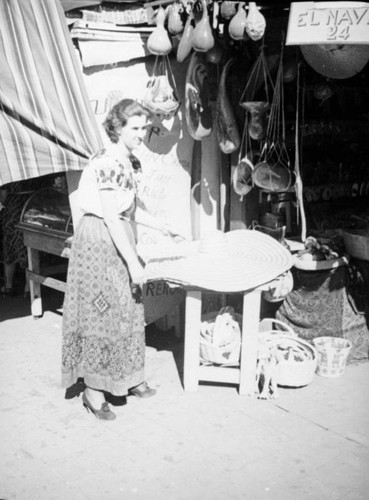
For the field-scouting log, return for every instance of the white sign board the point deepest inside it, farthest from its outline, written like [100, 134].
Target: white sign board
[328, 23]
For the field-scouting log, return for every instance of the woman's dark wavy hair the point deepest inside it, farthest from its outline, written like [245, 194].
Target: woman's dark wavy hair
[118, 117]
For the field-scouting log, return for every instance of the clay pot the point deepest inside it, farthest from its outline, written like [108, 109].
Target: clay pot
[159, 42]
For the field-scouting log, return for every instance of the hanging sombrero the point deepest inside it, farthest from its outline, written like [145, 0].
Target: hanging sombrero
[336, 61]
[225, 262]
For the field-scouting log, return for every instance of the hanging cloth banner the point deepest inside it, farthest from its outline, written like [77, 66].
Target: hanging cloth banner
[328, 23]
[46, 121]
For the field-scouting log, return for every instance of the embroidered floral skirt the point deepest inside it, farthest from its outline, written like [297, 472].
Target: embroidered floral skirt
[103, 326]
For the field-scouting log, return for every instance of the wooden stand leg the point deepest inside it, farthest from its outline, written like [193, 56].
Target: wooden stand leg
[250, 328]
[192, 341]
[35, 288]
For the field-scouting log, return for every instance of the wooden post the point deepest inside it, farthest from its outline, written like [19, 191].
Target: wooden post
[35, 287]
[192, 341]
[249, 345]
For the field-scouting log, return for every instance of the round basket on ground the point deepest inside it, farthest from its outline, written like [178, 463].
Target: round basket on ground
[297, 362]
[220, 351]
[332, 355]
[296, 359]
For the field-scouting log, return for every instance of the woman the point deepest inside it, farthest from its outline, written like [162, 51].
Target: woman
[103, 319]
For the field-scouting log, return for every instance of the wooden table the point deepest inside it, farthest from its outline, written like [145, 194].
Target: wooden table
[245, 374]
[46, 240]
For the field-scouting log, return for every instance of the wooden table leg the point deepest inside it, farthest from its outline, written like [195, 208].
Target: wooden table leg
[250, 328]
[192, 341]
[35, 288]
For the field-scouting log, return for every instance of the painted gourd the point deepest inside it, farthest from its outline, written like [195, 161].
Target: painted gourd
[202, 36]
[237, 26]
[197, 98]
[255, 25]
[159, 42]
[185, 43]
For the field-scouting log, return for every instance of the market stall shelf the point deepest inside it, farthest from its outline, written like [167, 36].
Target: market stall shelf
[46, 222]
[52, 243]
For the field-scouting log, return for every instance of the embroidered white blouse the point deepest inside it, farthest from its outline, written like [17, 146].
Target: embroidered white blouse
[107, 172]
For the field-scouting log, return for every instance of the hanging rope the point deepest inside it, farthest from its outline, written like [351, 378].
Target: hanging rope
[298, 184]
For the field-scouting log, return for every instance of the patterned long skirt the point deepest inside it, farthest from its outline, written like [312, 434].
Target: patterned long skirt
[103, 325]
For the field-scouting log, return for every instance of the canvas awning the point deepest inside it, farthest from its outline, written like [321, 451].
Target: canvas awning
[46, 122]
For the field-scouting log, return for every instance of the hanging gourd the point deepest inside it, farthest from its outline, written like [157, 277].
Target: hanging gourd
[227, 10]
[202, 36]
[322, 92]
[289, 68]
[185, 43]
[227, 128]
[255, 24]
[159, 42]
[175, 23]
[215, 55]
[237, 26]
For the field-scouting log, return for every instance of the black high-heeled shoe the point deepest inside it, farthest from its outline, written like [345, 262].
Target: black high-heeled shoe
[103, 414]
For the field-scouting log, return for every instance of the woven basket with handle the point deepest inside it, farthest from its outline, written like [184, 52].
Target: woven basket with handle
[297, 359]
[220, 337]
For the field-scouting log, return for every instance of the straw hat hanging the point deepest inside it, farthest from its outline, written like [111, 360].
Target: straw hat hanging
[336, 61]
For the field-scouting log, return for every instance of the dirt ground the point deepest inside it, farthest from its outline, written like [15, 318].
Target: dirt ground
[310, 443]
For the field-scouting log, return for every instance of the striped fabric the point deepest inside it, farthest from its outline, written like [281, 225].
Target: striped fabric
[46, 122]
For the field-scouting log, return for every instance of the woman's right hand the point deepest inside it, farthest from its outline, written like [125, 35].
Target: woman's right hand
[137, 272]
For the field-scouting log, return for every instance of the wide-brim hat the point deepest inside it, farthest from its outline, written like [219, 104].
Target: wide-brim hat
[336, 61]
[235, 261]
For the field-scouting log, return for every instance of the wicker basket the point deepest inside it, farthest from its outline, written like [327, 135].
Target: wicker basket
[332, 355]
[357, 243]
[297, 359]
[215, 353]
